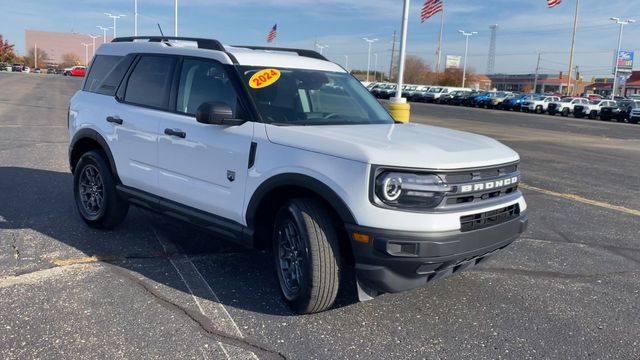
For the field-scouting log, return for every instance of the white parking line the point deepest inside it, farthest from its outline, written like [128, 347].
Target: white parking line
[207, 301]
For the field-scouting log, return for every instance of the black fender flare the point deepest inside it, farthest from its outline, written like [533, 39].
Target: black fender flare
[95, 136]
[302, 181]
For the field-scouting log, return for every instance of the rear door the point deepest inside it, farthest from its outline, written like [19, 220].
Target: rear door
[204, 166]
[143, 100]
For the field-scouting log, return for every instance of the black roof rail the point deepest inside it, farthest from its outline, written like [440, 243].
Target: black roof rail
[300, 52]
[209, 44]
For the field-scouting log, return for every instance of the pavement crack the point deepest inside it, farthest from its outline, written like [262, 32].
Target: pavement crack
[204, 323]
[584, 278]
[14, 247]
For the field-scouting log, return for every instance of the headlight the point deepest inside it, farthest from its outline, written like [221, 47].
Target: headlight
[410, 191]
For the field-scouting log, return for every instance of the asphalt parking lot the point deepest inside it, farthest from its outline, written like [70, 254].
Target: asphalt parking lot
[157, 288]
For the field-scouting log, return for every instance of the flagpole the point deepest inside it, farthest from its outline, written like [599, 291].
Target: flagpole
[439, 51]
[573, 47]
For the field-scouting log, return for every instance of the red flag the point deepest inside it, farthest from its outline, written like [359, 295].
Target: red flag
[430, 8]
[553, 3]
[272, 34]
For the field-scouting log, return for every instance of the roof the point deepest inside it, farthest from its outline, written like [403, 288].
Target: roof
[226, 54]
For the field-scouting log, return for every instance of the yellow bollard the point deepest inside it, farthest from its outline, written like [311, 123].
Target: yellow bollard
[400, 111]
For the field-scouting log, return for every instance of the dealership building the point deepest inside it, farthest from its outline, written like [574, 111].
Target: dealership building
[57, 44]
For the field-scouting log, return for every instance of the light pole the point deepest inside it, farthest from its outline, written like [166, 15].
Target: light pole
[375, 67]
[93, 40]
[370, 41]
[114, 17]
[135, 17]
[175, 18]
[622, 23]
[321, 47]
[466, 49]
[86, 53]
[104, 32]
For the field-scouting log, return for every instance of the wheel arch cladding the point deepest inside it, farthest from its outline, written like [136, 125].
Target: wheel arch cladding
[86, 140]
[272, 194]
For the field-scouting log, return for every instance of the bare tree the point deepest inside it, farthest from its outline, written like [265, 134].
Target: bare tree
[70, 59]
[416, 71]
[43, 58]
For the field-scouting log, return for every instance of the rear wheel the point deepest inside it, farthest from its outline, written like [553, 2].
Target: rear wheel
[593, 115]
[95, 192]
[565, 112]
[307, 255]
[539, 109]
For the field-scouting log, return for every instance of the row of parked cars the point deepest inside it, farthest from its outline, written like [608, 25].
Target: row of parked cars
[71, 71]
[591, 106]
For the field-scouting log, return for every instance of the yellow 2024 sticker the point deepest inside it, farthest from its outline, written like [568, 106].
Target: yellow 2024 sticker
[264, 78]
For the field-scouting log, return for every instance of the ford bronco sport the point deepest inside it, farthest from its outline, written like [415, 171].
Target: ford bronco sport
[282, 149]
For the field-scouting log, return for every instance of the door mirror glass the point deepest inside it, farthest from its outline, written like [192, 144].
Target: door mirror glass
[216, 113]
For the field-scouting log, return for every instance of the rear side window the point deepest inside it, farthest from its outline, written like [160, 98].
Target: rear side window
[150, 82]
[101, 66]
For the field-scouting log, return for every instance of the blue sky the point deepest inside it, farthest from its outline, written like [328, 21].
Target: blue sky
[526, 27]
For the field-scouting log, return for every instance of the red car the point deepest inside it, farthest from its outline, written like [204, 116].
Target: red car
[75, 71]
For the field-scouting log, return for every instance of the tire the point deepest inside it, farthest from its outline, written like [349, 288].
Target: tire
[578, 115]
[93, 174]
[305, 227]
[593, 115]
[539, 109]
[604, 118]
[633, 120]
[551, 112]
[565, 112]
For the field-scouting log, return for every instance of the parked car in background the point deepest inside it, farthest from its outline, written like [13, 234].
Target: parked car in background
[565, 106]
[593, 97]
[26, 69]
[496, 101]
[37, 70]
[592, 109]
[382, 89]
[470, 99]
[538, 104]
[458, 96]
[634, 115]
[75, 71]
[4, 66]
[515, 103]
[419, 92]
[17, 67]
[620, 112]
[483, 99]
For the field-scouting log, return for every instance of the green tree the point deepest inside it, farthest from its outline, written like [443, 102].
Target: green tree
[7, 53]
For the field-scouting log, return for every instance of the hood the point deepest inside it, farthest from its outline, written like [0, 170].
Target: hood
[403, 145]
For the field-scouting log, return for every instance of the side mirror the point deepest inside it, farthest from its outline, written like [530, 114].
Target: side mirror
[216, 113]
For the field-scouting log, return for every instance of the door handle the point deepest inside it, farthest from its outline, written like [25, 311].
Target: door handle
[114, 119]
[175, 132]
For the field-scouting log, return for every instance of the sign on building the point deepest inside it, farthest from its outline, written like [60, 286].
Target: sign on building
[624, 61]
[453, 62]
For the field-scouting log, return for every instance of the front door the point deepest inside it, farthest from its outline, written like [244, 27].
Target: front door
[201, 165]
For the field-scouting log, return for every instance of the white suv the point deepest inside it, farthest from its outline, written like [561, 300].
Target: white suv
[282, 149]
[539, 104]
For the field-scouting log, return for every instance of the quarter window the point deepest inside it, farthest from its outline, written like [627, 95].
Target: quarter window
[100, 67]
[150, 82]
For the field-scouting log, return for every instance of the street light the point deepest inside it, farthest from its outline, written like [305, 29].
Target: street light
[93, 39]
[135, 17]
[104, 32]
[466, 49]
[175, 18]
[114, 17]
[622, 23]
[321, 47]
[370, 41]
[86, 54]
[375, 67]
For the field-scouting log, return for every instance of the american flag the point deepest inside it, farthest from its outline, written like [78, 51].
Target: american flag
[430, 8]
[272, 34]
[553, 3]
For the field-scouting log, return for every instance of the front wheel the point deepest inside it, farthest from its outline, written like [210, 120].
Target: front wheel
[565, 112]
[95, 192]
[593, 115]
[539, 109]
[307, 255]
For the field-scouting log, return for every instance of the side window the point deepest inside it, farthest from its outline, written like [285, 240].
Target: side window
[202, 81]
[101, 66]
[150, 81]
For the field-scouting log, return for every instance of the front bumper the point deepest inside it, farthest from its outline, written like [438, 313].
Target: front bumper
[394, 261]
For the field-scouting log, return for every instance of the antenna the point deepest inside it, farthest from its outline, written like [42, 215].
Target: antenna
[159, 28]
[491, 61]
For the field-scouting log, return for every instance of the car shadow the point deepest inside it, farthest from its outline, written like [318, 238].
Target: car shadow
[42, 201]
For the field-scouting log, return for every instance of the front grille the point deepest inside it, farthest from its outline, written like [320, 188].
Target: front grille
[478, 174]
[489, 218]
[578, 108]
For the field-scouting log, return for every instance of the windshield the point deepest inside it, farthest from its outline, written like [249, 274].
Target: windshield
[310, 97]
[435, 90]
[595, 102]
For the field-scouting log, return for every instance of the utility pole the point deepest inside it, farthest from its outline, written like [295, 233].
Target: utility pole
[622, 23]
[535, 79]
[135, 17]
[467, 35]
[93, 39]
[393, 52]
[375, 67]
[370, 41]
[575, 86]
[175, 18]
[573, 47]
